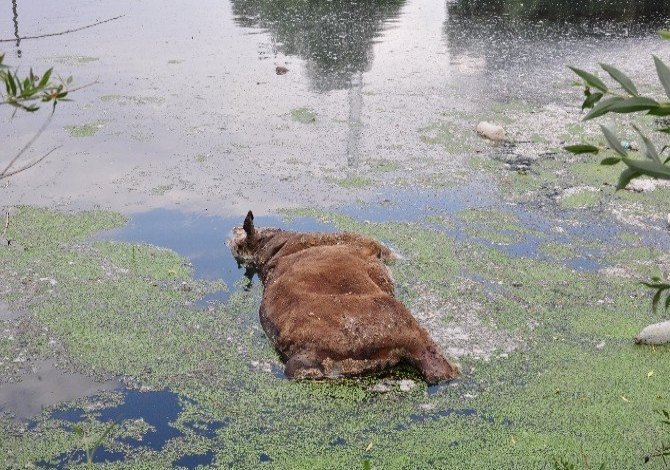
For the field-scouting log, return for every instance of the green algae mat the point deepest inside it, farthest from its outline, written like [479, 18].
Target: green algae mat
[549, 368]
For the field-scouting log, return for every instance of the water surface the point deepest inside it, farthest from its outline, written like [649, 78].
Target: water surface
[188, 111]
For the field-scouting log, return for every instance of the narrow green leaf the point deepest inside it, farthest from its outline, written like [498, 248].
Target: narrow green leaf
[654, 301]
[582, 148]
[45, 79]
[649, 168]
[623, 80]
[590, 79]
[650, 150]
[664, 34]
[591, 100]
[656, 285]
[613, 141]
[663, 109]
[12, 84]
[93, 449]
[610, 161]
[625, 177]
[663, 74]
[602, 108]
[25, 87]
[632, 105]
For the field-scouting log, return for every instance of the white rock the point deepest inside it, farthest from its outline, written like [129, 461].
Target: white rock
[406, 385]
[642, 185]
[658, 333]
[491, 131]
[380, 388]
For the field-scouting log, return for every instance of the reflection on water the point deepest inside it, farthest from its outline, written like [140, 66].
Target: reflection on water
[514, 48]
[15, 19]
[618, 10]
[334, 37]
[202, 239]
[158, 409]
[222, 138]
[46, 386]
[194, 460]
[354, 123]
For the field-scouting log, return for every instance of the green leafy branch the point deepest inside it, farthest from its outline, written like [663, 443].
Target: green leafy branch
[627, 100]
[663, 452]
[90, 450]
[22, 93]
[660, 287]
[25, 94]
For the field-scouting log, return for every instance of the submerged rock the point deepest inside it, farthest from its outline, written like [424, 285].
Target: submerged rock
[658, 333]
[491, 131]
[329, 305]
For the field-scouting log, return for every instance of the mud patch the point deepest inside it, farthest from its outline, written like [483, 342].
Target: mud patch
[460, 326]
[7, 312]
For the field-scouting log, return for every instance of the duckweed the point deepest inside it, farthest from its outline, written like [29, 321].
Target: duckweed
[574, 386]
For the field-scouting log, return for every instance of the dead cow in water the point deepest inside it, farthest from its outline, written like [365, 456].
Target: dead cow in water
[329, 306]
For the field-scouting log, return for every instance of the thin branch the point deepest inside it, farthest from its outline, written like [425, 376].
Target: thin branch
[3, 173]
[39, 97]
[29, 165]
[4, 233]
[63, 32]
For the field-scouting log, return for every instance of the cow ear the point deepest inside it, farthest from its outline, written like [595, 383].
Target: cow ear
[249, 224]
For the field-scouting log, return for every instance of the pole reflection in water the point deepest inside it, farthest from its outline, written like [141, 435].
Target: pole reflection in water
[15, 18]
[354, 122]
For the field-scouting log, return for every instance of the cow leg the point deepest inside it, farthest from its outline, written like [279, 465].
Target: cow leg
[304, 365]
[434, 366]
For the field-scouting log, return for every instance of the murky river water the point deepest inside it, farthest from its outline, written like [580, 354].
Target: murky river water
[188, 112]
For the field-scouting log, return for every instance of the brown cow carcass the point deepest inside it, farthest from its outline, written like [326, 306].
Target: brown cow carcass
[329, 305]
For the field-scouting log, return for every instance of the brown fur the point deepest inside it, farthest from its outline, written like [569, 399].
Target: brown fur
[329, 306]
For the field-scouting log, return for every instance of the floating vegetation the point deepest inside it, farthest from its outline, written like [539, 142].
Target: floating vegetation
[352, 182]
[303, 115]
[85, 130]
